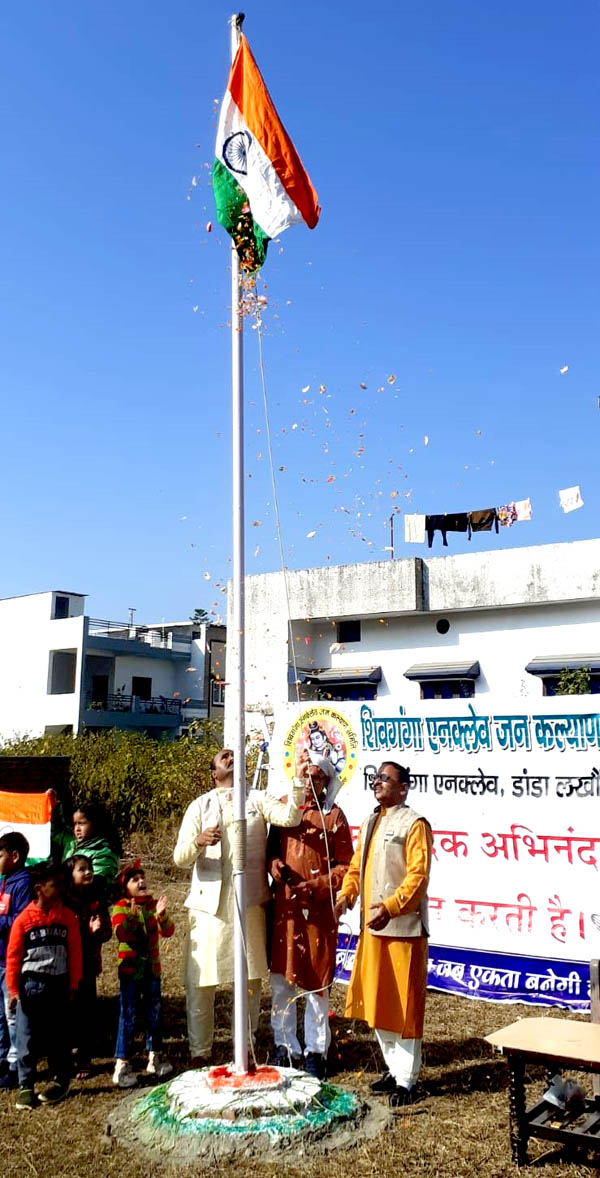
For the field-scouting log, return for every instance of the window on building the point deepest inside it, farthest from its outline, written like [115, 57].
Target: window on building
[580, 673]
[62, 670]
[217, 694]
[348, 631]
[141, 686]
[196, 634]
[58, 730]
[448, 689]
[61, 606]
[445, 680]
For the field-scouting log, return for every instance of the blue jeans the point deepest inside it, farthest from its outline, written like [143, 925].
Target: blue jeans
[139, 997]
[42, 1027]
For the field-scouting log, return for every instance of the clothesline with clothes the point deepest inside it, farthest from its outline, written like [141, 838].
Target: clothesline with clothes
[418, 527]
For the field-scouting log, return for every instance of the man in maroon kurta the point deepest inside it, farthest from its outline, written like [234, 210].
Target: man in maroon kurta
[307, 863]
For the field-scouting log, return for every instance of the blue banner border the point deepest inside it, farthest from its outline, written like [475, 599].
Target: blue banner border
[493, 977]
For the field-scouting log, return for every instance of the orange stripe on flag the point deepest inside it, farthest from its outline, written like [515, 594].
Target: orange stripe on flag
[249, 92]
[32, 809]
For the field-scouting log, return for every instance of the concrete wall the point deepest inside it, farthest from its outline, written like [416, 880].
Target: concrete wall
[162, 673]
[28, 634]
[504, 608]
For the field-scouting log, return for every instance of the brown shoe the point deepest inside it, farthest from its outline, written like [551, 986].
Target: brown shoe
[199, 1061]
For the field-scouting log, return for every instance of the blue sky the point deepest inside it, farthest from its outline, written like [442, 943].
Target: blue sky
[455, 152]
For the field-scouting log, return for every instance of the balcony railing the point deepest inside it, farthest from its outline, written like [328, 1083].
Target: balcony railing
[158, 705]
[158, 637]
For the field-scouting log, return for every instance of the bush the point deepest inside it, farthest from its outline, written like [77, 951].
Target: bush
[141, 781]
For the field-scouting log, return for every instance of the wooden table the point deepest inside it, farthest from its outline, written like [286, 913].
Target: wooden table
[557, 1043]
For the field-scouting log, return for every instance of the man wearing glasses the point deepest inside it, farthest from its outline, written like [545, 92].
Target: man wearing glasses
[390, 869]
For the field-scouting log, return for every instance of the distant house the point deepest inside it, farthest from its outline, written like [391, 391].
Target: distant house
[61, 671]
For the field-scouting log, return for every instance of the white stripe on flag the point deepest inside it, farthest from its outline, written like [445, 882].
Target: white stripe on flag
[270, 204]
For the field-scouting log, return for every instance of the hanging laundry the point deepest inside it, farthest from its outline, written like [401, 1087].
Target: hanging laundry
[523, 510]
[507, 514]
[457, 522]
[433, 524]
[483, 521]
[414, 529]
[570, 498]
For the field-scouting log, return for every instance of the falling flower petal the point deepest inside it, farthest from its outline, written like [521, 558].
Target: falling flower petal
[392, 379]
[309, 535]
[306, 388]
[565, 369]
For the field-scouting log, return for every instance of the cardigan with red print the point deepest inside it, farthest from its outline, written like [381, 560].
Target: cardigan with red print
[137, 934]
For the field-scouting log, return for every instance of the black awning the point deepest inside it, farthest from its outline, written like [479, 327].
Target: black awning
[554, 664]
[430, 672]
[336, 676]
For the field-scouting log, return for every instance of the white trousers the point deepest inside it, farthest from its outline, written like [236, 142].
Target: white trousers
[402, 1056]
[284, 1017]
[200, 1009]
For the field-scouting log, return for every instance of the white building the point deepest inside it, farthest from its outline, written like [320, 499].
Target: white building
[504, 622]
[61, 671]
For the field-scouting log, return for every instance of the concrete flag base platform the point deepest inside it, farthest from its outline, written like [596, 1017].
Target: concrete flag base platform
[217, 1113]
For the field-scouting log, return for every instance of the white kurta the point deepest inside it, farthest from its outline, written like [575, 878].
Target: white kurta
[208, 956]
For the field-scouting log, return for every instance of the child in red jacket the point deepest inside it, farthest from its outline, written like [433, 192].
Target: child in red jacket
[43, 971]
[138, 921]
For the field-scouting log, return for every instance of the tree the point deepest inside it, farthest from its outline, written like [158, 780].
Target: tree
[575, 682]
[200, 615]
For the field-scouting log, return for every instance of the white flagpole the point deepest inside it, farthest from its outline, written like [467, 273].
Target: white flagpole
[236, 688]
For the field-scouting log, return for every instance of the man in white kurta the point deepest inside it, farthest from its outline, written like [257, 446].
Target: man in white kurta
[204, 844]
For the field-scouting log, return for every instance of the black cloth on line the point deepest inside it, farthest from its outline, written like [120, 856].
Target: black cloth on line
[457, 522]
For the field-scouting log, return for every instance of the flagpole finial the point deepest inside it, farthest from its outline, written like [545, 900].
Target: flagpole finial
[237, 20]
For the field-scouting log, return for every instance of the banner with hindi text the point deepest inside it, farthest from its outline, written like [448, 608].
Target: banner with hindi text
[511, 790]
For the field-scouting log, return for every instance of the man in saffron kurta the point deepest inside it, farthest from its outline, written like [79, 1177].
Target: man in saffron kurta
[307, 863]
[390, 869]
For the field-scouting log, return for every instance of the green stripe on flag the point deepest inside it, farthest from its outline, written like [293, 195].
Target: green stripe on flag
[233, 213]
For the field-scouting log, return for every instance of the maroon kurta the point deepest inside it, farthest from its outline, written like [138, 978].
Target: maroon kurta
[304, 931]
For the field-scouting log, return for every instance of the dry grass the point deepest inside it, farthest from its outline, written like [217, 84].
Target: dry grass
[459, 1127]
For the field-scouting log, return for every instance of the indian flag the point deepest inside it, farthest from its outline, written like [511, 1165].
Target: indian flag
[259, 182]
[30, 814]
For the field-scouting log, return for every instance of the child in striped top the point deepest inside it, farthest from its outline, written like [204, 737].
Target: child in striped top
[138, 921]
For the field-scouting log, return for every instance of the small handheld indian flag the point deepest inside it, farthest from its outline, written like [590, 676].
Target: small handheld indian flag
[260, 185]
[30, 814]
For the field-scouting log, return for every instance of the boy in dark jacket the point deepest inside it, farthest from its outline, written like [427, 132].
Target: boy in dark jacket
[43, 971]
[15, 894]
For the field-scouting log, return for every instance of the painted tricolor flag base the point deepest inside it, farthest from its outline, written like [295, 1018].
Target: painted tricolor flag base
[30, 814]
[259, 182]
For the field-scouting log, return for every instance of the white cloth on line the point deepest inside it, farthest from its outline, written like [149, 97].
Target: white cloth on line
[402, 1056]
[523, 509]
[570, 498]
[284, 1017]
[414, 529]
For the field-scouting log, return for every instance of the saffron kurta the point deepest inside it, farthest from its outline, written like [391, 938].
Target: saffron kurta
[389, 978]
[304, 930]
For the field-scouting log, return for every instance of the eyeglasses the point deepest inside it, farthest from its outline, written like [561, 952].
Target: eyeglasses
[384, 777]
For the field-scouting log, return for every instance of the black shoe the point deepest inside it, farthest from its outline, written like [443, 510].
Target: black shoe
[384, 1085]
[282, 1058]
[400, 1097]
[315, 1065]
